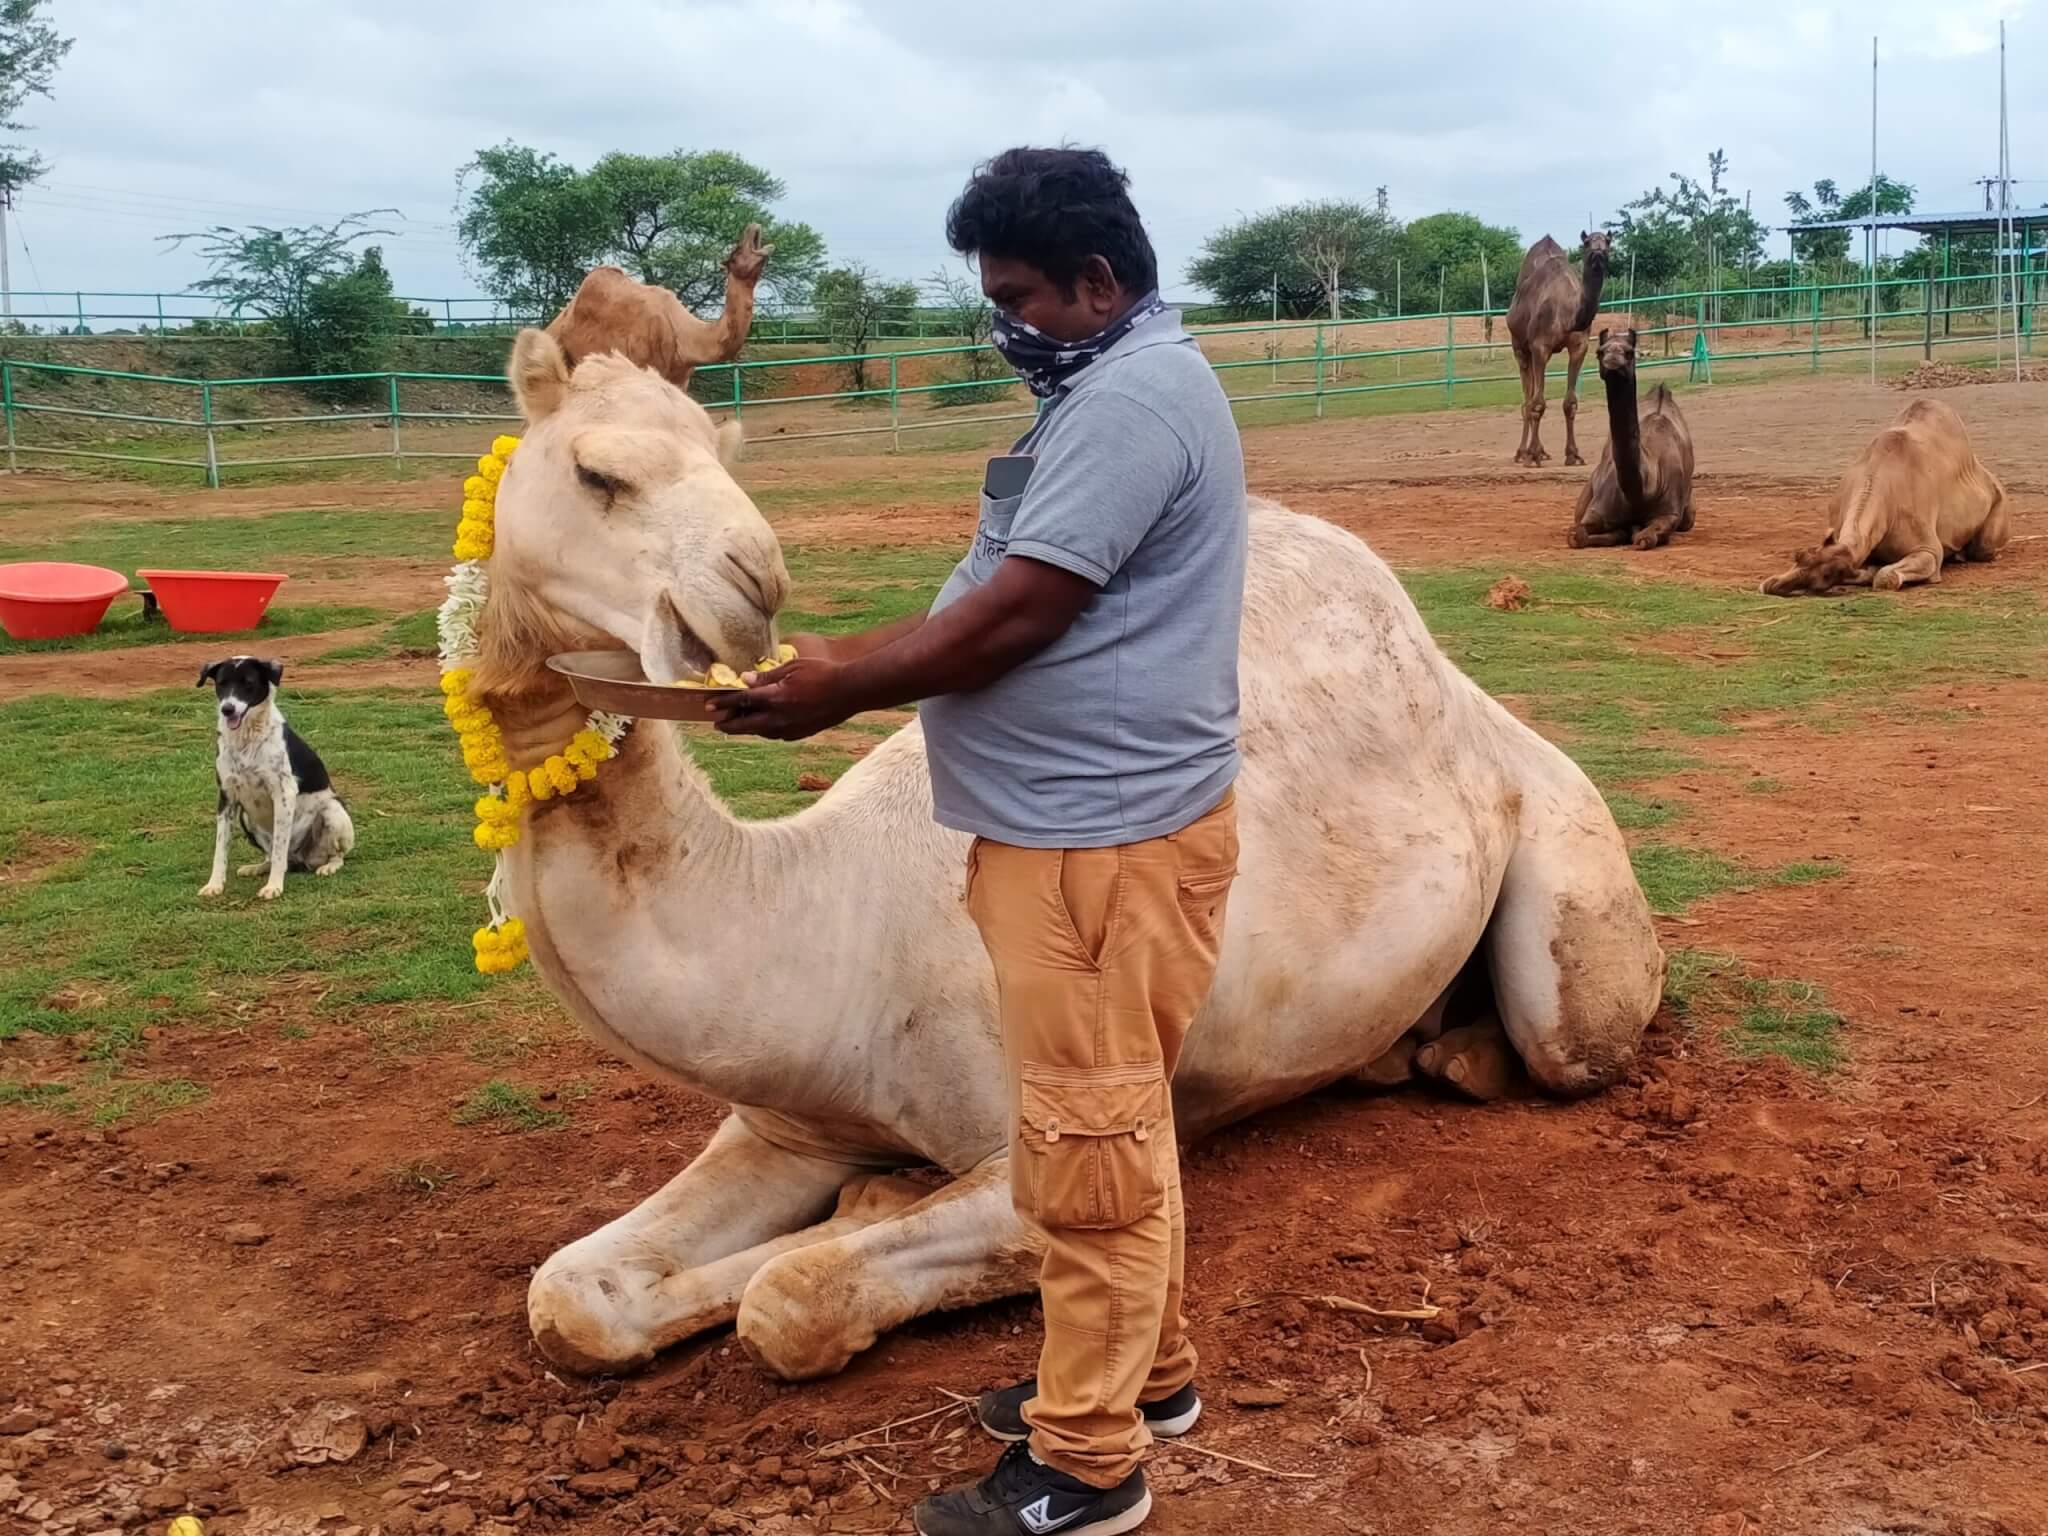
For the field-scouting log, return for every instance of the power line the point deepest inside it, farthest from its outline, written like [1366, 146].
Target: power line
[189, 201]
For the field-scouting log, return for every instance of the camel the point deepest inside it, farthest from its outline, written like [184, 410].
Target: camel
[610, 311]
[1641, 490]
[1551, 313]
[1420, 873]
[1915, 499]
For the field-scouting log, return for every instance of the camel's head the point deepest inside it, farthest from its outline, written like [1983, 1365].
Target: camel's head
[1818, 569]
[1617, 353]
[1595, 247]
[618, 525]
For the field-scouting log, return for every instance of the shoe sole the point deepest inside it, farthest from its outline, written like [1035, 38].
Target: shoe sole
[1163, 1429]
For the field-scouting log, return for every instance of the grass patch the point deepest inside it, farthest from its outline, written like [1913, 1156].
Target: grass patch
[142, 1100]
[1754, 1015]
[124, 629]
[1674, 876]
[1638, 813]
[14, 1094]
[843, 591]
[758, 778]
[1806, 872]
[198, 543]
[1762, 786]
[414, 635]
[508, 1106]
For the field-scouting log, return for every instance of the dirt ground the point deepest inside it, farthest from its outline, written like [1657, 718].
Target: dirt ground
[1725, 1298]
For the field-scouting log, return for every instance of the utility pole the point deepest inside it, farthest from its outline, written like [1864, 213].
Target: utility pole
[6, 275]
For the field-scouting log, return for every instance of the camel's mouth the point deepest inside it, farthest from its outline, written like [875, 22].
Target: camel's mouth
[670, 649]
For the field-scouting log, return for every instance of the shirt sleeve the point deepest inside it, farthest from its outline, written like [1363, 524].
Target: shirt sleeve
[1102, 481]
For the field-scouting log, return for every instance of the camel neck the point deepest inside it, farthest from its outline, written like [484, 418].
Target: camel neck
[1591, 280]
[1625, 435]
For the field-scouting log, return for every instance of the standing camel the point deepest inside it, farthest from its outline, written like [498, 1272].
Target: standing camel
[1553, 309]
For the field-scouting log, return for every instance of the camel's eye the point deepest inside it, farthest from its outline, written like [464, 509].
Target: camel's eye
[603, 485]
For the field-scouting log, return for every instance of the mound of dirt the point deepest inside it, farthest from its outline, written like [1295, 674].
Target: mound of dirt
[1949, 375]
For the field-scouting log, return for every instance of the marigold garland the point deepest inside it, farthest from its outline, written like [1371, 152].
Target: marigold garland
[501, 946]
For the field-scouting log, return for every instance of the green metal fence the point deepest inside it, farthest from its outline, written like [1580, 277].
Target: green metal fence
[108, 416]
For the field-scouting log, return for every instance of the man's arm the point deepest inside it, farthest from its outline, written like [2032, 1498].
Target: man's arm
[1024, 607]
[845, 648]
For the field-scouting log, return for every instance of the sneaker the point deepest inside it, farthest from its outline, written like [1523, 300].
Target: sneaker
[1002, 1412]
[1025, 1497]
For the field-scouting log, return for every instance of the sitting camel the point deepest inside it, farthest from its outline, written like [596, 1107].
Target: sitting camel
[1419, 868]
[611, 312]
[1552, 310]
[1641, 490]
[1916, 498]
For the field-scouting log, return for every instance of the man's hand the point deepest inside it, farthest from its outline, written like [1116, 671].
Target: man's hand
[798, 699]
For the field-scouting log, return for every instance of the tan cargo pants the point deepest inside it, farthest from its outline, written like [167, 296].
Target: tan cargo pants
[1103, 956]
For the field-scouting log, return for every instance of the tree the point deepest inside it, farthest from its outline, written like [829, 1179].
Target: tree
[675, 217]
[1312, 257]
[1686, 234]
[276, 273]
[351, 319]
[967, 314]
[1831, 246]
[530, 226]
[1453, 244]
[853, 301]
[30, 51]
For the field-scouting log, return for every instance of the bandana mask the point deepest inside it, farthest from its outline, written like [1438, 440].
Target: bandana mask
[1044, 363]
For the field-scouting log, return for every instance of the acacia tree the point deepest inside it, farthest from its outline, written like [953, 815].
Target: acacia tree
[1347, 247]
[967, 314]
[853, 301]
[30, 51]
[1477, 261]
[532, 225]
[277, 274]
[1307, 258]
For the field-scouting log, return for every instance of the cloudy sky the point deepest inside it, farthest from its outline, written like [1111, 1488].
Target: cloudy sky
[175, 116]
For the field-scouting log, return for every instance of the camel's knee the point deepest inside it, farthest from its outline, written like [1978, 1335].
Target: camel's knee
[582, 1314]
[807, 1313]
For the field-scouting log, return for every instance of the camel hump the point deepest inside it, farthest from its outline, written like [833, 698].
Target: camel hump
[1661, 399]
[1546, 247]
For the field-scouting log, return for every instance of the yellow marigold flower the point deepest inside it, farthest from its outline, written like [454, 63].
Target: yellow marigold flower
[455, 680]
[491, 469]
[477, 511]
[561, 773]
[585, 768]
[515, 789]
[502, 447]
[513, 929]
[542, 786]
[476, 488]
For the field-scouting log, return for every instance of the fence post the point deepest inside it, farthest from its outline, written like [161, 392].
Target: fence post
[212, 452]
[159, 316]
[895, 408]
[1319, 370]
[1816, 328]
[397, 446]
[7, 395]
[81, 312]
[448, 313]
[1927, 322]
[1450, 356]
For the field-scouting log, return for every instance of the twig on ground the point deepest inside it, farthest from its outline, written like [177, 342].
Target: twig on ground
[2038, 1365]
[1802, 1461]
[1239, 1461]
[1362, 1360]
[852, 1443]
[1420, 1314]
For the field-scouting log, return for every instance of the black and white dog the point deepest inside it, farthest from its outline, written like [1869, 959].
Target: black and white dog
[269, 779]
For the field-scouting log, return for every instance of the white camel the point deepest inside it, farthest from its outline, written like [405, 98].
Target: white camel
[1399, 829]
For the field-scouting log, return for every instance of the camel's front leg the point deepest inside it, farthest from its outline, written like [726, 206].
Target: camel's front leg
[1921, 565]
[809, 1312]
[652, 1277]
[1575, 359]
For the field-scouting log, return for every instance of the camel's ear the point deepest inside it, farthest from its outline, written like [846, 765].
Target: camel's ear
[1584, 238]
[732, 437]
[622, 460]
[1603, 336]
[539, 374]
[1631, 336]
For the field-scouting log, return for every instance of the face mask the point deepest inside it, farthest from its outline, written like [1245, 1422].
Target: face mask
[1045, 363]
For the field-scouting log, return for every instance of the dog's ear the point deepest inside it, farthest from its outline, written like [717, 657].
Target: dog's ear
[274, 670]
[209, 673]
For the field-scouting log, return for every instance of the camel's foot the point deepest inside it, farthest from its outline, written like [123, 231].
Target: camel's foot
[1476, 1059]
[1394, 1068]
[605, 1304]
[1887, 580]
[1573, 456]
[1646, 540]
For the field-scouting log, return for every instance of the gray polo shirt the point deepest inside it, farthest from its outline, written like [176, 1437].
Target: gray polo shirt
[1124, 728]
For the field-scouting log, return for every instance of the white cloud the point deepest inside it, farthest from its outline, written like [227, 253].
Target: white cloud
[170, 117]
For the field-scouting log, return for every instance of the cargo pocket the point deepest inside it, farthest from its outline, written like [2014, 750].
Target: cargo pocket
[1088, 1144]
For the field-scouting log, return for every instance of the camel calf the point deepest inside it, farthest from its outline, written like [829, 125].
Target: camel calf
[1641, 490]
[1916, 498]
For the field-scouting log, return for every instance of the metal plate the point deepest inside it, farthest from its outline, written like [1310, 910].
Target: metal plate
[612, 681]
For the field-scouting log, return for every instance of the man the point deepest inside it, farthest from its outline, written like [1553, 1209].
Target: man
[1080, 677]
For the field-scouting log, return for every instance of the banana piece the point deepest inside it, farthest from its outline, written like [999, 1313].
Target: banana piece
[722, 676]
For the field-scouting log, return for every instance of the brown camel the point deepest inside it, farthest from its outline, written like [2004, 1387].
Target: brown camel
[1553, 309]
[1915, 499]
[613, 313]
[1641, 490]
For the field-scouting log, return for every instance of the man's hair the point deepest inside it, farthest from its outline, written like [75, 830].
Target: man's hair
[1054, 208]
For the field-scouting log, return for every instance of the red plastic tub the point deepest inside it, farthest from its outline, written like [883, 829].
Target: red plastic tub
[212, 602]
[49, 599]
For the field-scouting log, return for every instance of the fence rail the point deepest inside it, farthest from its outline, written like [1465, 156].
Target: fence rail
[1318, 361]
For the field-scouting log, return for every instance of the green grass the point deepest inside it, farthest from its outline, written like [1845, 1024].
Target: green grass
[1640, 813]
[843, 591]
[1674, 877]
[1754, 1015]
[413, 635]
[1762, 786]
[508, 1107]
[207, 541]
[758, 778]
[126, 629]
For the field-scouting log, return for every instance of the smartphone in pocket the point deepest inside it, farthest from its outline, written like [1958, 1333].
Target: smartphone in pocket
[1008, 474]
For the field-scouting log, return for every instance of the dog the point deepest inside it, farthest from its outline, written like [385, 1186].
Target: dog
[269, 779]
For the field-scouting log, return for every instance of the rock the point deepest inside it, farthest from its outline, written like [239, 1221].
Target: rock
[163, 1499]
[114, 1450]
[327, 1432]
[597, 1447]
[421, 1474]
[694, 1452]
[449, 1520]
[1444, 1327]
[723, 1522]
[725, 1491]
[1993, 1326]
[616, 1483]
[556, 1428]
[331, 1511]
[1731, 1522]
[21, 1421]
[795, 1477]
[245, 1234]
[1508, 595]
[813, 783]
[1258, 1396]
[768, 1467]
